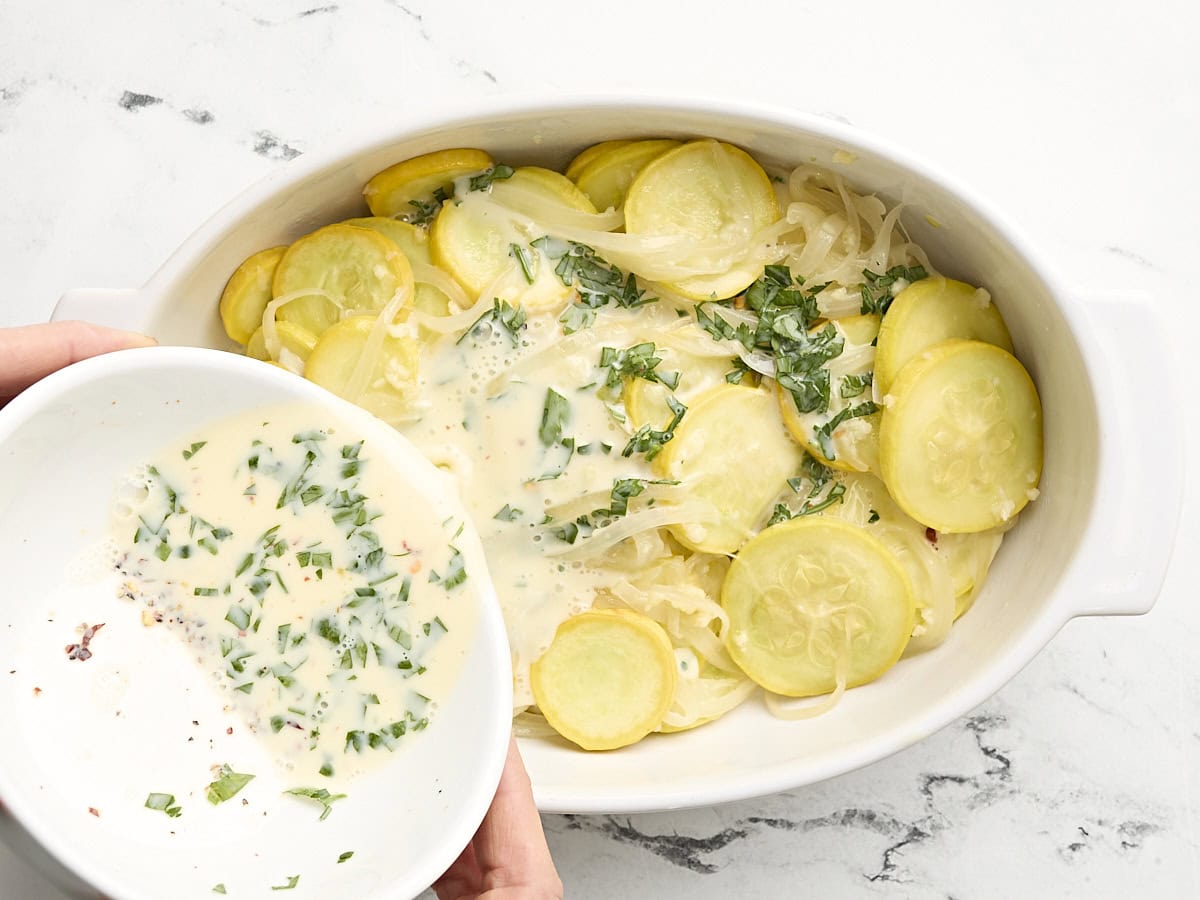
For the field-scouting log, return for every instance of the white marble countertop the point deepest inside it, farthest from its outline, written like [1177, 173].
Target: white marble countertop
[124, 124]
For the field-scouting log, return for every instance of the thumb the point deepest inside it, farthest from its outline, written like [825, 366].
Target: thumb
[31, 352]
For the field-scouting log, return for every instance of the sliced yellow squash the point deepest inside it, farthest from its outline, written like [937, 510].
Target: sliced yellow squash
[816, 605]
[866, 503]
[398, 189]
[414, 243]
[712, 193]
[247, 294]
[482, 247]
[607, 177]
[551, 185]
[575, 166]
[607, 679]
[291, 336]
[853, 444]
[361, 269]
[646, 401]
[961, 437]
[928, 312]
[359, 361]
[731, 450]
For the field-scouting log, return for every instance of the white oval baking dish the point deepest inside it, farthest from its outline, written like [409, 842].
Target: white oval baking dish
[1096, 543]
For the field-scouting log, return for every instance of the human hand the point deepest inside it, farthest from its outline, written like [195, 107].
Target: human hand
[508, 858]
[31, 352]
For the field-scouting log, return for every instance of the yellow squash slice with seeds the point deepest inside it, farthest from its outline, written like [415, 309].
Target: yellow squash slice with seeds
[607, 680]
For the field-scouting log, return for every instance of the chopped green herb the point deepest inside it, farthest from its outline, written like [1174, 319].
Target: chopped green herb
[576, 318]
[555, 412]
[623, 490]
[194, 449]
[508, 513]
[738, 372]
[164, 803]
[853, 385]
[320, 795]
[204, 592]
[218, 889]
[873, 518]
[424, 210]
[785, 310]
[292, 881]
[877, 289]
[456, 570]
[227, 785]
[483, 181]
[824, 433]
[597, 282]
[505, 316]
[637, 361]
[345, 856]
[238, 617]
[649, 441]
[524, 260]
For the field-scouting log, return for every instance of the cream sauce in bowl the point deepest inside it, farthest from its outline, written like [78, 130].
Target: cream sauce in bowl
[315, 585]
[142, 549]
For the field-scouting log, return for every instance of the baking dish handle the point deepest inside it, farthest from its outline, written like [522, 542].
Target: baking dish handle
[1133, 363]
[129, 309]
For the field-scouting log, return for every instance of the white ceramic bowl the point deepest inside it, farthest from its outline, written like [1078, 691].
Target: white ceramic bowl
[140, 716]
[1096, 543]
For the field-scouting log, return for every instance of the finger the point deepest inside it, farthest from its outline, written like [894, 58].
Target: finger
[461, 879]
[32, 352]
[510, 845]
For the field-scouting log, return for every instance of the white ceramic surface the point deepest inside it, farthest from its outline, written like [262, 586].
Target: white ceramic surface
[140, 716]
[1077, 551]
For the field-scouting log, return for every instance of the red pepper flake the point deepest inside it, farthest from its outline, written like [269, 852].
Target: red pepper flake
[95, 812]
[229, 730]
[931, 536]
[80, 651]
[37, 691]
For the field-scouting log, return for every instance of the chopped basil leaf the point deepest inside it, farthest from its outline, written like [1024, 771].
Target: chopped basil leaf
[292, 881]
[648, 440]
[483, 181]
[504, 315]
[623, 490]
[637, 361]
[227, 785]
[320, 795]
[345, 856]
[164, 803]
[877, 289]
[853, 385]
[524, 260]
[738, 372]
[598, 282]
[555, 413]
[782, 513]
[509, 513]
[824, 433]
[194, 449]
[456, 570]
